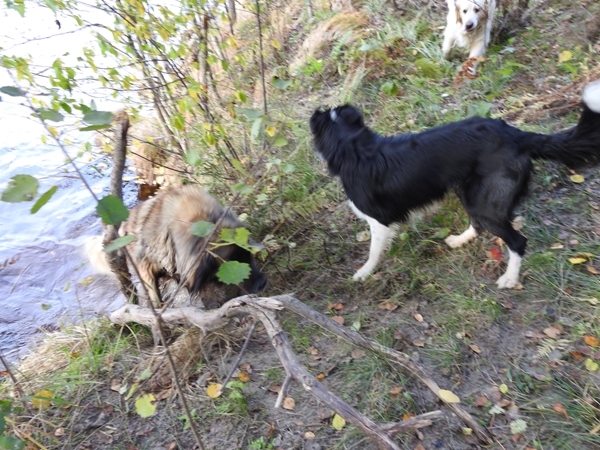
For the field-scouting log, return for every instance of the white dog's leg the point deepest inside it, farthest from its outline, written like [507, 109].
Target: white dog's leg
[455, 241]
[510, 279]
[449, 40]
[381, 236]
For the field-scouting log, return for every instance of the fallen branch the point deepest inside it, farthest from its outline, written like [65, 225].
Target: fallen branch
[264, 310]
[295, 305]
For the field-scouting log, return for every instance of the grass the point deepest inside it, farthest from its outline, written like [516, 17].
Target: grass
[316, 249]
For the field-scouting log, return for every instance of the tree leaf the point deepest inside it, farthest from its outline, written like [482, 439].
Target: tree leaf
[21, 188]
[255, 131]
[338, 422]
[43, 199]
[98, 117]
[12, 91]
[241, 236]
[250, 113]
[389, 88]
[144, 406]
[591, 365]
[289, 403]
[112, 210]
[118, 243]
[503, 388]
[591, 341]
[233, 272]
[576, 261]
[95, 127]
[448, 396]
[50, 114]
[202, 228]
[270, 130]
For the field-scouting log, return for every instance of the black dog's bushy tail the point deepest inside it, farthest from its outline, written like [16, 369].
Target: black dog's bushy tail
[580, 146]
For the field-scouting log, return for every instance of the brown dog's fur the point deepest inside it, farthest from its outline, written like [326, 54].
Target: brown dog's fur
[165, 247]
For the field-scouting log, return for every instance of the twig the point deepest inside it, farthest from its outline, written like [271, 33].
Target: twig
[284, 387]
[238, 360]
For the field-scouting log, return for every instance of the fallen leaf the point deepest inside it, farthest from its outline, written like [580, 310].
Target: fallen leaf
[338, 319]
[448, 396]
[338, 422]
[407, 416]
[591, 341]
[44, 402]
[396, 390]
[60, 431]
[576, 261]
[115, 384]
[560, 409]
[518, 426]
[244, 376]
[246, 367]
[557, 246]
[338, 306]
[418, 317]
[591, 365]
[387, 305]
[418, 343]
[467, 431]
[400, 336]
[357, 353]
[363, 236]
[309, 435]
[275, 388]
[320, 377]
[213, 390]
[289, 403]
[552, 332]
[577, 178]
[496, 253]
[313, 350]
[591, 269]
[419, 447]
[481, 401]
[172, 446]
[503, 388]
[475, 348]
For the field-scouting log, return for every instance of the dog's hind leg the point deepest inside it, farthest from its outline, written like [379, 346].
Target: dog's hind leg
[454, 241]
[516, 244]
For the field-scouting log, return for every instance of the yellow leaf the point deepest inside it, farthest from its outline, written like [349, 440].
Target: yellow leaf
[53, 131]
[338, 422]
[577, 178]
[467, 431]
[213, 390]
[591, 341]
[86, 281]
[270, 130]
[42, 403]
[244, 376]
[275, 44]
[575, 261]
[448, 396]
[591, 365]
[144, 405]
[564, 56]
[503, 388]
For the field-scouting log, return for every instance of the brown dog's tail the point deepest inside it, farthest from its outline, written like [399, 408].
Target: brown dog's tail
[93, 250]
[580, 146]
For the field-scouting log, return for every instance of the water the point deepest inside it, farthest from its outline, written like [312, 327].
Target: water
[44, 281]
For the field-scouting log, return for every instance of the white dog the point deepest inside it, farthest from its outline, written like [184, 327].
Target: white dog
[469, 25]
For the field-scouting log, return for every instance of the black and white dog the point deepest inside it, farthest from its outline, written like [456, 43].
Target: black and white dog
[486, 161]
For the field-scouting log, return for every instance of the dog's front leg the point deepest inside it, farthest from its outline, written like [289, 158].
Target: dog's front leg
[449, 40]
[381, 237]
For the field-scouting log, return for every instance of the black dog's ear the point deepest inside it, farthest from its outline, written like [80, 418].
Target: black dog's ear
[350, 116]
